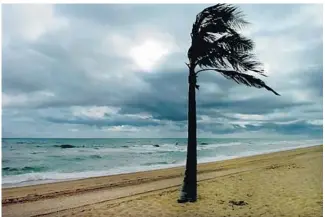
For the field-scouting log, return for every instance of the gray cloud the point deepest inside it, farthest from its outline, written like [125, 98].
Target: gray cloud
[79, 55]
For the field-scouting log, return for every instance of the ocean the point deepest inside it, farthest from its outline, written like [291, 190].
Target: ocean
[34, 161]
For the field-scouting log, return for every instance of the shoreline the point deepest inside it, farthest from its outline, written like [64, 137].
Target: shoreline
[121, 180]
[179, 165]
[268, 182]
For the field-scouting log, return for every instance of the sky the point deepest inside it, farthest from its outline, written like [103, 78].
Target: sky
[119, 71]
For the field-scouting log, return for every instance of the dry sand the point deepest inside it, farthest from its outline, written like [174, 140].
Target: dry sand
[285, 183]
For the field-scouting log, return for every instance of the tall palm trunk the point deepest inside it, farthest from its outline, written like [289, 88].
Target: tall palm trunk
[189, 188]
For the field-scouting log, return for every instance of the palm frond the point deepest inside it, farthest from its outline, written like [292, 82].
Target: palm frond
[248, 80]
[218, 56]
[235, 43]
[217, 19]
[217, 44]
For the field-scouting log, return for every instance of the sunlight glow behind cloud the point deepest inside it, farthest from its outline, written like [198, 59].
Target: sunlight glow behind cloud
[148, 54]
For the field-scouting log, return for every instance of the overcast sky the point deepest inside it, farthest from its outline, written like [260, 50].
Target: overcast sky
[118, 71]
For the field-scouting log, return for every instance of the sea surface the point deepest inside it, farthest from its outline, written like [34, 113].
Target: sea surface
[34, 161]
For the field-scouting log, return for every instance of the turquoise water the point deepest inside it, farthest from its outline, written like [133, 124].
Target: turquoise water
[32, 161]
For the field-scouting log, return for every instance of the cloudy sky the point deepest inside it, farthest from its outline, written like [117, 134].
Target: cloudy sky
[118, 71]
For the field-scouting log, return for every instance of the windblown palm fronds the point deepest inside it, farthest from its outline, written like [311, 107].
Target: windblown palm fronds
[217, 45]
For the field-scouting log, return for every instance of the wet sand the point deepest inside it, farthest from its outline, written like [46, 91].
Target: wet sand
[287, 183]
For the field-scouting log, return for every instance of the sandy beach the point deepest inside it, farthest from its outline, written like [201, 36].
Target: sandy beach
[287, 183]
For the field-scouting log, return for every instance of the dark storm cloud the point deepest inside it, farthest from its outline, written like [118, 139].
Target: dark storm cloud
[105, 122]
[166, 99]
[132, 13]
[297, 128]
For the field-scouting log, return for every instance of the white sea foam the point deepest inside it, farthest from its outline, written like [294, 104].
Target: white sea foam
[161, 148]
[231, 151]
[48, 177]
[218, 145]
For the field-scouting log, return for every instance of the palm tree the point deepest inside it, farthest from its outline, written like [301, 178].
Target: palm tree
[218, 46]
